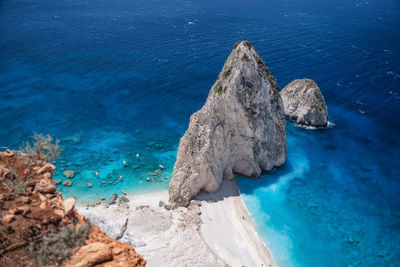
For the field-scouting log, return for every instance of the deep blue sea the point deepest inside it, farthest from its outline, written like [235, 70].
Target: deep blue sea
[116, 78]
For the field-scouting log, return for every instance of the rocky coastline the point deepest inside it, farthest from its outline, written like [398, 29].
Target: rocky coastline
[39, 228]
[185, 236]
[241, 129]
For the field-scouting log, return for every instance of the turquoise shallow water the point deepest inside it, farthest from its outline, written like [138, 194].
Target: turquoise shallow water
[325, 210]
[112, 79]
[101, 163]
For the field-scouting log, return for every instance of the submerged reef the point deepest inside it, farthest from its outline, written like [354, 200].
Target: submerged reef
[241, 129]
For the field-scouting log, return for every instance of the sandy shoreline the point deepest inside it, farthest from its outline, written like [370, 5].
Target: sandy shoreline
[214, 231]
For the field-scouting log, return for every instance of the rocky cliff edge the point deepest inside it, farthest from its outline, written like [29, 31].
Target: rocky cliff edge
[39, 228]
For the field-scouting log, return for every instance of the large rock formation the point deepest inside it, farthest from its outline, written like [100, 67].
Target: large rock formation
[39, 228]
[304, 103]
[240, 129]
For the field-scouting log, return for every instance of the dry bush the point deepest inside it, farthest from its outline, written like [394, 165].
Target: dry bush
[56, 247]
[44, 148]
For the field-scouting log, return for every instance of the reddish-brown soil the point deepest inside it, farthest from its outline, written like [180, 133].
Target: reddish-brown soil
[30, 209]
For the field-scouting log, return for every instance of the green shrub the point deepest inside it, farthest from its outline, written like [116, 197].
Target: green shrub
[273, 82]
[227, 72]
[260, 61]
[218, 89]
[270, 78]
[44, 148]
[57, 247]
[18, 186]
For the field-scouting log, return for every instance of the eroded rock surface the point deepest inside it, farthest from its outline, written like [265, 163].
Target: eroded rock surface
[91, 255]
[240, 129]
[304, 103]
[39, 228]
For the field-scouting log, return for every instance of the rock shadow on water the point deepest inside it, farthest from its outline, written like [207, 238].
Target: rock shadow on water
[230, 188]
[249, 185]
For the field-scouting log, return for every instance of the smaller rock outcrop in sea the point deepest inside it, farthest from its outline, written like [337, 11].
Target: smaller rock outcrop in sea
[304, 103]
[240, 129]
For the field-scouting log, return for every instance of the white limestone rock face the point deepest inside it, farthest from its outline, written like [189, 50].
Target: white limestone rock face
[240, 129]
[304, 103]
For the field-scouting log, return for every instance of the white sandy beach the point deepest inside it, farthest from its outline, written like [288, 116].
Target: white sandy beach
[215, 231]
